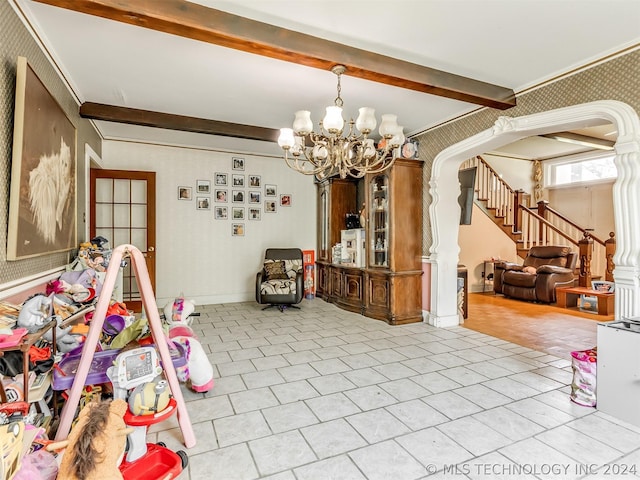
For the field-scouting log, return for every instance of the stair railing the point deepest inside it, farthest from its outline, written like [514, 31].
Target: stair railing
[491, 188]
[543, 226]
[603, 250]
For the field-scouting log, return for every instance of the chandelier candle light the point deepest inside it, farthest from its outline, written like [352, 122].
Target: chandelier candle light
[329, 153]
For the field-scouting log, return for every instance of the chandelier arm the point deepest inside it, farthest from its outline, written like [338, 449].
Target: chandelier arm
[380, 169]
[300, 166]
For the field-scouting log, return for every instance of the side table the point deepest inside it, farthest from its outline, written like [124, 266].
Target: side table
[567, 297]
[23, 346]
[486, 262]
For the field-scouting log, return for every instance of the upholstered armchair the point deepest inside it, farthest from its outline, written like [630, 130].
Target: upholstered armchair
[544, 269]
[280, 283]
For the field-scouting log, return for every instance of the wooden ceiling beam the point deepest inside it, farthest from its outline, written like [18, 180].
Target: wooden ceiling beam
[134, 116]
[191, 20]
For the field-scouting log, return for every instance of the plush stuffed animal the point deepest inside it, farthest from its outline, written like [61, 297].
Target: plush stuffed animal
[198, 372]
[178, 311]
[65, 342]
[35, 312]
[96, 444]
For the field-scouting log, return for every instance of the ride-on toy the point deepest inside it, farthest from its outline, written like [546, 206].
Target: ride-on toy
[151, 403]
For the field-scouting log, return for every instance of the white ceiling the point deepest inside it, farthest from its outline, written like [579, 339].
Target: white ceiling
[512, 43]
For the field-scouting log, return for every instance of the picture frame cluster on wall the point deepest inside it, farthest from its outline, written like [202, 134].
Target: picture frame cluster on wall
[237, 189]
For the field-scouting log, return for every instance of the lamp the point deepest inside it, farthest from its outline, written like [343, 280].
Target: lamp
[329, 152]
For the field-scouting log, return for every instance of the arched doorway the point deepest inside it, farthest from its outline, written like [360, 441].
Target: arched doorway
[626, 192]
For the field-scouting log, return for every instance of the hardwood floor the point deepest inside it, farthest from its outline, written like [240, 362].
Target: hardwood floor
[547, 328]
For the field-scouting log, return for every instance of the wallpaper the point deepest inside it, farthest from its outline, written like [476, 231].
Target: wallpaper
[15, 40]
[616, 79]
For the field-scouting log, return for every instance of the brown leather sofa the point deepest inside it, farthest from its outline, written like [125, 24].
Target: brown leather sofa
[554, 266]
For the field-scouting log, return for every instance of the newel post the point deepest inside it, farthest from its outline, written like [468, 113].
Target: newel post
[586, 252]
[542, 211]
[610, 249]
[517, 215]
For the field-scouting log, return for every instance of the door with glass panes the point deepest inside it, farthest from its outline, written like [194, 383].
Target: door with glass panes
[123, 205]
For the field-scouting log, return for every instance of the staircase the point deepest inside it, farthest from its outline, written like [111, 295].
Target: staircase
[529, 226]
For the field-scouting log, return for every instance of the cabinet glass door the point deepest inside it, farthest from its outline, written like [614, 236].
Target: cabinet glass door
[324, 224]
[379, 221]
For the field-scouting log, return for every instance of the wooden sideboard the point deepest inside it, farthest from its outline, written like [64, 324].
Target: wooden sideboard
[389, 287]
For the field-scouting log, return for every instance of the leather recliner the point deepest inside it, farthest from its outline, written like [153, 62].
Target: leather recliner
[554, 267]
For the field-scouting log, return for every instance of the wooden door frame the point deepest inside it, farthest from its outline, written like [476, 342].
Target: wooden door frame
[149, 250]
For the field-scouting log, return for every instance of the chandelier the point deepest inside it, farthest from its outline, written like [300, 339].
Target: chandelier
[330, 152]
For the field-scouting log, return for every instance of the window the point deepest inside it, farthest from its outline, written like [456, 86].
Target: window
[592, 168]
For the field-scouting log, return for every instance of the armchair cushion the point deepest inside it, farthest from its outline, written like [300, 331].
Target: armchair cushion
[292, 268]
[278, 287]
[275, 270]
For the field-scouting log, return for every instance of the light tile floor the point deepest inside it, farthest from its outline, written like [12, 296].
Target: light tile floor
[320, 394]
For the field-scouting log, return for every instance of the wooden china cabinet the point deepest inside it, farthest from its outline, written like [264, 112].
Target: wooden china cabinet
[389, 287]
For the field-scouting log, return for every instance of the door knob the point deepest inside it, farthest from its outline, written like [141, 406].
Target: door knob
[151, 249]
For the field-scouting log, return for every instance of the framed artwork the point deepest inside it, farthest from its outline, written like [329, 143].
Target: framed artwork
[254, 181]
[254, 213]
[237, 229]
[237, 163]
[222, 213]
[203, 203]
[238, 196]
[203, 187]
[237, 213]
[221, 179]
[42, 201]
[184, 193]
[285, 200]
[270, 206]
[221, 196]
[238, 180]
[270, 190]
[254, 197]
[603, 286]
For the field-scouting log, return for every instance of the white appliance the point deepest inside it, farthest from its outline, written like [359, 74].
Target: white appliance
[618, 374]
[353, 247]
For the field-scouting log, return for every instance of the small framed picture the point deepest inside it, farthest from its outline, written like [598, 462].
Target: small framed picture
[270, 206]
[203, 203]
[603, 286]
[237, 213]
[237, 163]
[254, 181]
[222, 213]
[238, 180]
[285, 200]
[237, 229]
[221, 196]
[254, 214]
[270, 191]
[221, 179]
[184, 193]
[203, 187]
[238, 196]
[254, 197]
